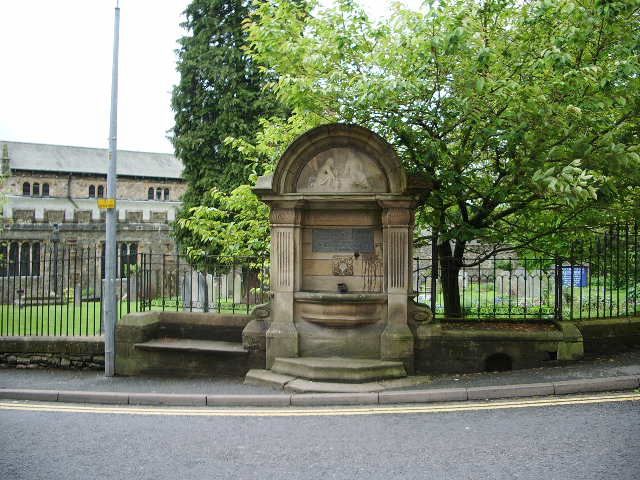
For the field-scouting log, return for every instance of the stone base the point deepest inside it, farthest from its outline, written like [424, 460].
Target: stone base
[465, 347]
[397, 344]
[281, 341]
[338, 369]
[298, 385]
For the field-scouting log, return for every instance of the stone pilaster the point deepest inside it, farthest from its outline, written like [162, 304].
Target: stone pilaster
[396, 341]
[286, 249]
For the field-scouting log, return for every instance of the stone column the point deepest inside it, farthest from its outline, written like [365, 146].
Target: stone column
[396, 341]
[286, 261]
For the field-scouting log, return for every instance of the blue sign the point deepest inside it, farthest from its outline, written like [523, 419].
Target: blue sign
[575, 276]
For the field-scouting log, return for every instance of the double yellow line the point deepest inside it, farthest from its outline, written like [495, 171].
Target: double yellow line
[319, 411]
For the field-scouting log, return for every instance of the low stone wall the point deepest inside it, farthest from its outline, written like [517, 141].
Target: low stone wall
[608, 335]
[465, 347]
[52, 352]
[446, 347]
[138, 328]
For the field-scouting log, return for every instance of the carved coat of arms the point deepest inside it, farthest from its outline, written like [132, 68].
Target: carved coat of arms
[342, 266]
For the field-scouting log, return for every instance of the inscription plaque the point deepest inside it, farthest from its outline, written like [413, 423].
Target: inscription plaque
[342, 240]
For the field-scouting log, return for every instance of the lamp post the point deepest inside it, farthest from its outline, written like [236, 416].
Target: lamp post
[109, 294]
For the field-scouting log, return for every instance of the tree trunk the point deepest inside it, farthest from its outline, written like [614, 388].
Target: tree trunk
[450, 263]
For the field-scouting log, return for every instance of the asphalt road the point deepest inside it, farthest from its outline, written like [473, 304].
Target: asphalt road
[593, 441]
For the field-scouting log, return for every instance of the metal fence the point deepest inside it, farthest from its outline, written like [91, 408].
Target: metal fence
[496, 287]
[598, 278]
[216, 284]
[58, 291]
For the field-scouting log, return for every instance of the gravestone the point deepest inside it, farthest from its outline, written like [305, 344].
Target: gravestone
[341, 229]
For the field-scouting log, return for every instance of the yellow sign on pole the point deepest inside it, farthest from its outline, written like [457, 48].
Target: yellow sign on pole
[106, 203]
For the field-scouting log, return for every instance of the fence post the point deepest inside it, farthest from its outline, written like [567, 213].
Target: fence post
[558, 290]
[434, 271]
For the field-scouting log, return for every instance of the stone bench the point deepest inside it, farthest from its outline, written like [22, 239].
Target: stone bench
[182, 344]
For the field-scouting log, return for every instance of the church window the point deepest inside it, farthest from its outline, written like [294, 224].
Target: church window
[23, 259]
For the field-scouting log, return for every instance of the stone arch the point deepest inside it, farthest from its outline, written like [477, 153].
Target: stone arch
[498, 362]
[354, 145]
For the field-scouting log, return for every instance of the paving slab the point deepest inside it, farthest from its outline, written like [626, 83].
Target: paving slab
[93, 397]
[29, 394]
[603, 373]
[424, 396]
[316, 399]
[615, 365]
[267, 378]
[508, 391]
[91, 380]
[300, 385]
[278, 400]
[412, 381]
[595, 385]
[167, 399]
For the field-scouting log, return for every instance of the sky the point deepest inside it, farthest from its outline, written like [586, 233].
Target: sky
[55, 70]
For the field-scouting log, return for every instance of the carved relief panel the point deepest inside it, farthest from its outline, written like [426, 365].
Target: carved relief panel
[341, 170]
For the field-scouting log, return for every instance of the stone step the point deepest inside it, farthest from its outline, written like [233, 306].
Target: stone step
[192, 345]
[298, 385]
[338, 369]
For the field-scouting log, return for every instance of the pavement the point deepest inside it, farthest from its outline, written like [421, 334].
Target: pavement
[595, 374]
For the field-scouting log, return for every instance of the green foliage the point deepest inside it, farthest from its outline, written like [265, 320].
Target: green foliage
[221, 94]
[521, 116]
[228, 225]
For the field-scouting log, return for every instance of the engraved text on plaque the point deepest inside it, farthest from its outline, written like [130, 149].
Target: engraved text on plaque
[342, 240]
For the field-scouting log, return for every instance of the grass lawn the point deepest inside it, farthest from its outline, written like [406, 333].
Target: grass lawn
[588, 302]
[65, 319]
[85, 320]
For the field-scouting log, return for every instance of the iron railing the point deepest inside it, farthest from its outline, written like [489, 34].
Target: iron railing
[58, 290]
[596, 278]
[216, 284]
[497, 287]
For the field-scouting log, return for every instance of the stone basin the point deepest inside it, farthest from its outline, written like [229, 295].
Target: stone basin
[340, 310]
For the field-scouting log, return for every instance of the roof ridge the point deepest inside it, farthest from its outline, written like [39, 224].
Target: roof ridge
[86, 148]
[43, 157]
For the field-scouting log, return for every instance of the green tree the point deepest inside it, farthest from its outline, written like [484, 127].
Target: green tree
[521, 117]
[220, 94]
[231, 225]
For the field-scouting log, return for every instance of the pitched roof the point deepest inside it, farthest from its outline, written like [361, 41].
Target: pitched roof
[84, 160]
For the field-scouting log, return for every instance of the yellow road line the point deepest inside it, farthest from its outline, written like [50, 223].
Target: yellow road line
[319, 411]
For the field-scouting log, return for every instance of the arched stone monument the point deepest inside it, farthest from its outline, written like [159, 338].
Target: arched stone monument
[341, 256]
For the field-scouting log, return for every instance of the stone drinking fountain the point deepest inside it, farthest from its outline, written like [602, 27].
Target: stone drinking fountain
[341, 253]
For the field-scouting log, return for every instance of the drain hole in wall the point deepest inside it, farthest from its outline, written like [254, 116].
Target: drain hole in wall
[498, 362]
[552, 355]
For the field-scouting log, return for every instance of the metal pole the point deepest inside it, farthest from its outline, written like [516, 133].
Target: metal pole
[434, 272]
[109, 297]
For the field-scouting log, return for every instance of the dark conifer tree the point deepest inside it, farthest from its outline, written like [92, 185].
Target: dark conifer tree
[220, 95]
